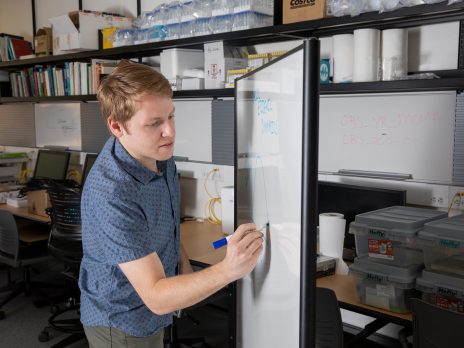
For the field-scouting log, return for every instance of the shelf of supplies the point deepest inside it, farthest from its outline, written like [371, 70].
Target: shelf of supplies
[405, 17]
[203, 93]
[443, 84]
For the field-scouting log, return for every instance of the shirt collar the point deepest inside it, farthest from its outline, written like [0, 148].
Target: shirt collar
[134, 167]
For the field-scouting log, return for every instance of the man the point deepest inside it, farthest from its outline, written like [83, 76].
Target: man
[130, 221]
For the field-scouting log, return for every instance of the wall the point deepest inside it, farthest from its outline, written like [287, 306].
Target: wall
[16, 18]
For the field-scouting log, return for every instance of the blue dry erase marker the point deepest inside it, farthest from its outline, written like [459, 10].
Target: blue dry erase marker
[223, 241]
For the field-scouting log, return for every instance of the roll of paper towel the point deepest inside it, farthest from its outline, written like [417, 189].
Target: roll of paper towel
[331, 238]
[366, 55]
[343, 58]
[394, 54]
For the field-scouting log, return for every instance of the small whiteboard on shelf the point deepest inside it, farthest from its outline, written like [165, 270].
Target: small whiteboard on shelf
[58, 125]
[408, 133]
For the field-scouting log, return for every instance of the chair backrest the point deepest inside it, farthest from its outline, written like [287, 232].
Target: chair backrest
[9, 239]
[436, 327]
[65, 241]
[329, 326]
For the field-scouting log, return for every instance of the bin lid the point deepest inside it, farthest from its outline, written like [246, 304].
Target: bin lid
[384, 272]
[449, 228]
[399, 219]
[439, 280]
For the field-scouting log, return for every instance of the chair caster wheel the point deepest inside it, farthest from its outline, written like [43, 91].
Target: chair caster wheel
[44, 336]
[2, 315]
[54, 309]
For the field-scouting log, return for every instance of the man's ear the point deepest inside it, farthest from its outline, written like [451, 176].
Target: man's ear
[115, 127]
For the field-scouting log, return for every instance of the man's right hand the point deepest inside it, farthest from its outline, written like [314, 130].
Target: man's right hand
[243, 250]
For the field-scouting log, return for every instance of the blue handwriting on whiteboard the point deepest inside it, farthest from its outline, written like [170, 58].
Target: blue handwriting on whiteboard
[264, 109]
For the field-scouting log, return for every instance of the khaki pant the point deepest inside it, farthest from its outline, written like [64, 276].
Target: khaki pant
[109, 337]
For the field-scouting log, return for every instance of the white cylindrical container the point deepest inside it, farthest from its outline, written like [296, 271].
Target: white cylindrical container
[343, 58]
[394, 54]
[366, 55]
[331, 238]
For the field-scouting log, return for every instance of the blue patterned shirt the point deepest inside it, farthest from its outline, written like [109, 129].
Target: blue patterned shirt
[128, 212]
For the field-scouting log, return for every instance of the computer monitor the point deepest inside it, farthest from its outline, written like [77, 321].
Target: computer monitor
[51, 165]
[351, 200]
[89, 161]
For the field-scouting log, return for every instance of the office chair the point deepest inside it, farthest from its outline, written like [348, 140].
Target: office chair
[65, 243]
[436, 327]
[18, 254]
[329, 326]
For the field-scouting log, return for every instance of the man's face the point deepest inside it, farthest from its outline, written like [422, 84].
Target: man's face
[150, 133]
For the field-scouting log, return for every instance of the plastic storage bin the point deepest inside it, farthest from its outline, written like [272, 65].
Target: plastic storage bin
[175, 61]
[443, 245]
[389, 235]
[384, 286]
[442, 290]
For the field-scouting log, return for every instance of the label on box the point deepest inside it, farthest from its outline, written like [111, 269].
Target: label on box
[452, 304]
[385, 290]
[381, 249]
[374, 299]
[447, 243]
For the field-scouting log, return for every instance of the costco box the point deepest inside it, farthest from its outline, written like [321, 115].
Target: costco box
[78, 30]
[218, 60]
[37, 202]
[43, 41]
[302, 10]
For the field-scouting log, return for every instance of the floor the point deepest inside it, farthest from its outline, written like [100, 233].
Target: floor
[24, 322]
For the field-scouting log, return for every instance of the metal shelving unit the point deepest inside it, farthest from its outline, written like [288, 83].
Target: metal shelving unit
[405, 17]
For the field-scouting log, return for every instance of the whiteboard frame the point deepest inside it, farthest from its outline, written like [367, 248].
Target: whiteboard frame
[309, 179]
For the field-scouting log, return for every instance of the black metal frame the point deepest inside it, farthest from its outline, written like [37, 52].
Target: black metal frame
[405, 17]
[309, 185]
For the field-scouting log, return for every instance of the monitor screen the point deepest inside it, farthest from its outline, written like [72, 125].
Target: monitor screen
[89, 161]
[351, 200]
[51, 165]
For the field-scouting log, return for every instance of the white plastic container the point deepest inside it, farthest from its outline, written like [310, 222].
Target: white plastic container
[384, 286]
[389, 235]
[442, 290]
[443, 245]
[176, 60]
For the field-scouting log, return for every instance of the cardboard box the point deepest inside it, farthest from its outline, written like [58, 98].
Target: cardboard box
[302, 10]
[218, 60]
[43, 41]
[37, 202]
[78, 30]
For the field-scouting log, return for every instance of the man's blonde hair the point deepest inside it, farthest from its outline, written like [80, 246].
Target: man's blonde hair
[127, 84]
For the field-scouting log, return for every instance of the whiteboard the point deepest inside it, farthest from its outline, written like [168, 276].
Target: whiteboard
[409, 133]
[268, 184]
[193, 130]
[58, 125]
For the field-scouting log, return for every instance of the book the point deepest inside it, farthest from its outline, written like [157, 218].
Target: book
[19, 47]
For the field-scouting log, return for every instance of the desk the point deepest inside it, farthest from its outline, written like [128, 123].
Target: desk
[24, 213]
[196, 239]
[344, 287]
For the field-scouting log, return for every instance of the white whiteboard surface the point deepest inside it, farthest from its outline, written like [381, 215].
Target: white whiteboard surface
[58, 125]
[409, 133]
[193, 130]
[269, 145]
